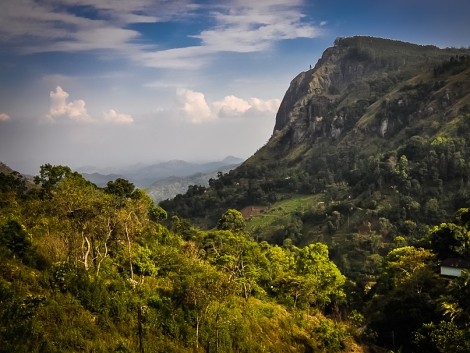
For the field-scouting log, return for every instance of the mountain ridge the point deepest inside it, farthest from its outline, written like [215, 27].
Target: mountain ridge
[367, 99]
[169, 187]
[145, 175]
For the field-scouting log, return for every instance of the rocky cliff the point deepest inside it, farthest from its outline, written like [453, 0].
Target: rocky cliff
[368, 84]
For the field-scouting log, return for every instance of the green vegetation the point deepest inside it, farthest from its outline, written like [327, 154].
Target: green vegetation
[371, 159]
[88, 269]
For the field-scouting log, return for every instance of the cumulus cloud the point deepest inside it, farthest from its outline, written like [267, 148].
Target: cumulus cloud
[231, 105]
[4, 117]
[60, 107]
[197, 110]
[195, 106]
[118, 118]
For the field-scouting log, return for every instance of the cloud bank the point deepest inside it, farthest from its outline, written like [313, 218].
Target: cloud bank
[113, 116]
[60, 107]
[197, 110]
[4, 117]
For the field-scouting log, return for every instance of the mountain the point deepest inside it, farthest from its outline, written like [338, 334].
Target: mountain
[14, 179]
[378, 127]
[145, 175]
[168, 188]
[365, 183]
[101, 179]
[370, 156]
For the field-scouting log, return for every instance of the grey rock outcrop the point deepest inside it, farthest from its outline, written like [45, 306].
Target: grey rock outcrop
[350, 88]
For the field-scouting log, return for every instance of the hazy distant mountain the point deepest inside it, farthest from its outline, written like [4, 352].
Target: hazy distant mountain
[7, 170]
[146, 175]
[168, 188]
[100, 179]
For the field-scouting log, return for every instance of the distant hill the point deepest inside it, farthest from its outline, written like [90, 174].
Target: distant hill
[100, 179]
[378, 129]
[145, 175]
[5, 169]
[26, 180]
[168, 188]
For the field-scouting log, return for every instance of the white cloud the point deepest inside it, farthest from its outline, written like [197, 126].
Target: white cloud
[4, 117]
[231, 106]
[59, 107]
[248, 26]
[270, 105]
[241, 26]
[118, 118]
[238, 26]
[197, 110]
[195, 106]
[54, 25]
[178, 58]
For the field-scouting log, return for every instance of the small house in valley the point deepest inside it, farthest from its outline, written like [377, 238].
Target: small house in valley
[453, 267]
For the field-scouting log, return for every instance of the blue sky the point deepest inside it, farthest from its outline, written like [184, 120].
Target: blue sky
[109, 83]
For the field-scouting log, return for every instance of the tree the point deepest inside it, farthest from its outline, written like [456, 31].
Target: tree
[232, 220]
[241, 258]
[404, 296]
[15, 237]
[442, 337]
[157, 214]
[200, 288]
[120, 187]
[50, 175]
[409, 267]
[82, 206]
[450, 240]
[323, 280]
[313, 281]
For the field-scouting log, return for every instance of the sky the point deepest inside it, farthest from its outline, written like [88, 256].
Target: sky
[112, 83]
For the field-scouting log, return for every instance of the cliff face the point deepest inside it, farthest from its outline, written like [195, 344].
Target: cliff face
[369, 85]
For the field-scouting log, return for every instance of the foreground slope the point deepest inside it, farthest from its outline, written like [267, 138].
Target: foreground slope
[89, 269]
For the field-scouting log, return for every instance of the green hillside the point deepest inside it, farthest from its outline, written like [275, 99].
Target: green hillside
[376, 124]
[89, 269]
[369, 153]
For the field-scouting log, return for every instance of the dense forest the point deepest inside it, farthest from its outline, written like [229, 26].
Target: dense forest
[88, 269]
[330, 238]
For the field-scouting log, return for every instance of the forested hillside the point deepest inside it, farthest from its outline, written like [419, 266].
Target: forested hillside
[88, 269]
[375, 123]
[369, 154]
